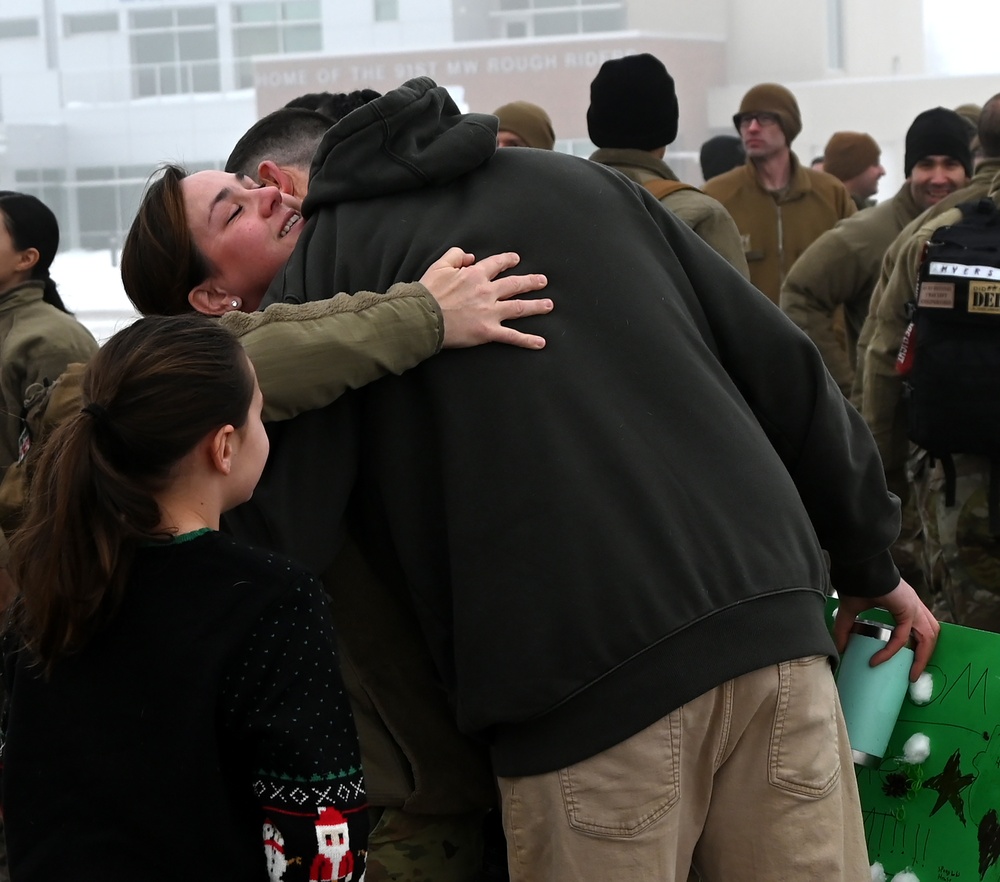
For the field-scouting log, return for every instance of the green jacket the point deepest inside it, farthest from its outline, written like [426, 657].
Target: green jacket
[305, 357]
[882, 402]
[777, 227]
[701, 213]
[37, 342]
[841, 267]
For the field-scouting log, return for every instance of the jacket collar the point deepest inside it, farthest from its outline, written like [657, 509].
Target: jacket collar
[27, 292]
[641, 159]
[799, 182]
[904, 206]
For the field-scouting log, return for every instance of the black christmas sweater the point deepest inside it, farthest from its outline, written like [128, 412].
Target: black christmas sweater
[203, 734]
[598, 532]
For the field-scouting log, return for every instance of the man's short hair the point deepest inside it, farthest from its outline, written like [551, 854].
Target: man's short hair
[288, 137]
[335, 105]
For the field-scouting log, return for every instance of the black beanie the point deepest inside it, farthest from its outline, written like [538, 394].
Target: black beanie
[937, 132]
[632, 104]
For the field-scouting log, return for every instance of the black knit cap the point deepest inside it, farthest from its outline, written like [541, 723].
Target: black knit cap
[937, 132]
[31, 225]
[632, 104]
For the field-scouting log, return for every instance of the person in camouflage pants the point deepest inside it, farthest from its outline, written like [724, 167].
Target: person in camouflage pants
[960, 555]
[405, 847]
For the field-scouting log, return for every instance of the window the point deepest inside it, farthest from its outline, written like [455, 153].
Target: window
[174, 51]
[274, 28]
[48, 185]
[386, 10]
[549, 18]
[90, 23]
[107, 198]
[835, 34]
[18, 27]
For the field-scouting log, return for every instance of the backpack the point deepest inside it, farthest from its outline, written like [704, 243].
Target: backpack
[662, 188]
[950, 357]
[46, 405]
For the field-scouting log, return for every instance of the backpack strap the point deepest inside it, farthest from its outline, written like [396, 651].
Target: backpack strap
[662, 188]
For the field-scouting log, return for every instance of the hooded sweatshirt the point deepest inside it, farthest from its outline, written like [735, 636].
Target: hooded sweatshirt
[598, 532]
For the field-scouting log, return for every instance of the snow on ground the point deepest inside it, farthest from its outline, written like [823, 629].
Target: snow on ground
[91, 287]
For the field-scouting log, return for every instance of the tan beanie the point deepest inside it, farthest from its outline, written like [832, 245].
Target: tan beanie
[847, 154]
[776, 99]
[529, 122]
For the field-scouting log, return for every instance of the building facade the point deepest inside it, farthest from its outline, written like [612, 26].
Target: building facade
[95, 94]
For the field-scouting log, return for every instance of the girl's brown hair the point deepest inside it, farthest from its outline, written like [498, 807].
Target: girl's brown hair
[151, 393]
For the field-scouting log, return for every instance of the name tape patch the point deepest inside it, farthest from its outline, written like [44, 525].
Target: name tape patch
[964, 271]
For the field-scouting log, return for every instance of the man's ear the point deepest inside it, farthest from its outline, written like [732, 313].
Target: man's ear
[208, 299]
[270, 174]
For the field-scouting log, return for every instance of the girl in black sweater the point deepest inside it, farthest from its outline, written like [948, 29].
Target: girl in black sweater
[174, 707]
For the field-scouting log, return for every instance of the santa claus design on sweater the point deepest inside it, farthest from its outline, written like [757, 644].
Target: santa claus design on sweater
[334, 861]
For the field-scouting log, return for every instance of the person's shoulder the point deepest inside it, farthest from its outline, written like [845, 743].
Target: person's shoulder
[858, 228]
[40, 323]
[727, 184]
[824, 252]
[216, 554]
[930, 224]
[830, 189]
[696, 201]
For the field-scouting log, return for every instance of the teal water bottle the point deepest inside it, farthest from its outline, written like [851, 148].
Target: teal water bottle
[871, 697]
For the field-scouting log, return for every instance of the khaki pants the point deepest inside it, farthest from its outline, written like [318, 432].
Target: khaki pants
[751, 782]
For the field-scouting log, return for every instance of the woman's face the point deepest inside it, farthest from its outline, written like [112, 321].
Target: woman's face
[11, 271]
[245, 231]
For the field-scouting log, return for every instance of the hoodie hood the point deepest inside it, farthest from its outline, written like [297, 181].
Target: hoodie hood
[414, 136]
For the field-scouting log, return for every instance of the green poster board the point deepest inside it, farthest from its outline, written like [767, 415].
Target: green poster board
[941, 819]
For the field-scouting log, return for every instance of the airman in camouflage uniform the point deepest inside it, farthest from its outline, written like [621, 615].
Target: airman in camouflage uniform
[404, 847]
[961, 561]
[962, 558]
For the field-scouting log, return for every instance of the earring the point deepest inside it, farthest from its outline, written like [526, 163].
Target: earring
[235, 304]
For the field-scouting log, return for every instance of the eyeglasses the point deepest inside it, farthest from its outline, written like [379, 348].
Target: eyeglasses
[742, 120]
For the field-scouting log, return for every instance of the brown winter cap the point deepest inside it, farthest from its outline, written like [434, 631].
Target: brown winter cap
[847, 154]
[776, 99]
[529, 122]
[633, 104]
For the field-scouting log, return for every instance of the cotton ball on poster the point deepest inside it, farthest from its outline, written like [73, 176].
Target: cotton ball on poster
[916, 750]
[878, 873]
[906, 876]
[921, 691]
